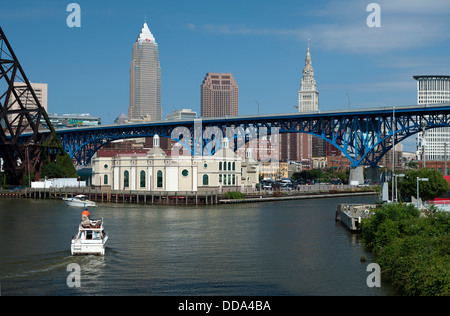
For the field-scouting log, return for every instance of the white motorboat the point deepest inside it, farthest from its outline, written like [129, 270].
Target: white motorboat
[79, 200]
[91, 238]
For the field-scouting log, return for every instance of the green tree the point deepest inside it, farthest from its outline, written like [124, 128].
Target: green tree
[52, 170]
[428, 190]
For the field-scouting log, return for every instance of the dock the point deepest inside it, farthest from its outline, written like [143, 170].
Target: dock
[212, 197]
[351, 215]
[118, 196]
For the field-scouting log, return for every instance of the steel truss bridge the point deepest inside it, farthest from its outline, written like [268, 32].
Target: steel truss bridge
[363, 135]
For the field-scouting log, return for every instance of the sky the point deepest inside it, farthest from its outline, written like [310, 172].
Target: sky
[263, 43]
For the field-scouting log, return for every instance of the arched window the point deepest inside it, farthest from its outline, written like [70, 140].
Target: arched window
[205, 179]
[126, 179]
[229, 165]
[234, 165]
[159, 179]
[224, 165]
[220, 165]
[105, 179]
[234, 179]
[142, 179]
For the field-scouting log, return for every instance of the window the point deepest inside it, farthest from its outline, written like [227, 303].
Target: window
[126, 179]
[185, 172]
[220, 178]
[142, 176]
[205, 165]
[229, 165]
[234, 166]
[224, 165]
[105, 179]
[105, 166]
[205, 179]
[220, 165]
[159, 179]
[234, 179]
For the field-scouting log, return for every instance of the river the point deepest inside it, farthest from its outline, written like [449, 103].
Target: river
[260, 249]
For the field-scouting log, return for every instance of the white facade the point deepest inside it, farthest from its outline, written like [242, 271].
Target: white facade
[433, 90]
[155, 171]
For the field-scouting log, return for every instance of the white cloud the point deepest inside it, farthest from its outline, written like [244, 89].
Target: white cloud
[405, 24]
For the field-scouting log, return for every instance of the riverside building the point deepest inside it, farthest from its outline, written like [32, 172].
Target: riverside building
[154, 170]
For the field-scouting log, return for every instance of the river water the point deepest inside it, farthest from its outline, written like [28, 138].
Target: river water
[261, 249]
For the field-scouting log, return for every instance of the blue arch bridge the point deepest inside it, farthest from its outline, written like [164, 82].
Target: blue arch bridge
[362, 135]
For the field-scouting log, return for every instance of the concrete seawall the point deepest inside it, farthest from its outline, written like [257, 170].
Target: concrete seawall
[296, 197]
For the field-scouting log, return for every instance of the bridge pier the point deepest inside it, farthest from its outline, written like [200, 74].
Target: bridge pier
[373, 175]
[356, 175]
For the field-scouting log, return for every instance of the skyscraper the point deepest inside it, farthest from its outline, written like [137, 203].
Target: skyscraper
[433, 89]
[40, 89]
[145, 78]
[299, 146]
[219, 95]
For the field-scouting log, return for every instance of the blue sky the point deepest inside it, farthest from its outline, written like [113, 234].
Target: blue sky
[263, 43]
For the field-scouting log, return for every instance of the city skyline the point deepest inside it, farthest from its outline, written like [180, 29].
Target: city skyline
[263, 45]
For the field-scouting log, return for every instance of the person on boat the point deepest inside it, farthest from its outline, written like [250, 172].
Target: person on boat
[86, 222]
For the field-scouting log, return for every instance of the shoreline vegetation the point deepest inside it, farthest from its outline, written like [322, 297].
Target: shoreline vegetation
[413, 247]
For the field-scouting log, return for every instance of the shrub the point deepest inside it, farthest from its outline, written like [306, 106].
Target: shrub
[415, 250]
[234, 195]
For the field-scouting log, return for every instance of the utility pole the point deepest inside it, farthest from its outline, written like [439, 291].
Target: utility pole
[393, 150]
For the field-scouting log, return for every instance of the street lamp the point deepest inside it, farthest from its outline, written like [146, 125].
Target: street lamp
[419, 179]
[396, 190]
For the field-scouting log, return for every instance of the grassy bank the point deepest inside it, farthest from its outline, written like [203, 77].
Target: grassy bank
[413, 248]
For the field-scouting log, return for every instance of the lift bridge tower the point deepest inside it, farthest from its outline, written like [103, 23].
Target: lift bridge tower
[20, 115]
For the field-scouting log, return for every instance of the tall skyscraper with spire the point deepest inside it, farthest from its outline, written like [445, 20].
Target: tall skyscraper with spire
[308, 96]
[308, 100]
[145, 78]
[299, 146]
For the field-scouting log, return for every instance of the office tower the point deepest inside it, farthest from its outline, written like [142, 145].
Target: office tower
[145, 78]
[41, 91]
[299, 146]
[219, 95]
[433, 89]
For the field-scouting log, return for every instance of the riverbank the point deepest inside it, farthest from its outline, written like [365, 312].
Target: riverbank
[296, 197]
[180, 197]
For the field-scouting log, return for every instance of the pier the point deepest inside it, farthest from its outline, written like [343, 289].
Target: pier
[351, 215]
[212, 197]
[118, 196]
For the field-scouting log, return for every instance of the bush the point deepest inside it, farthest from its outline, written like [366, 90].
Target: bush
[234, 195]
[415, 250]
